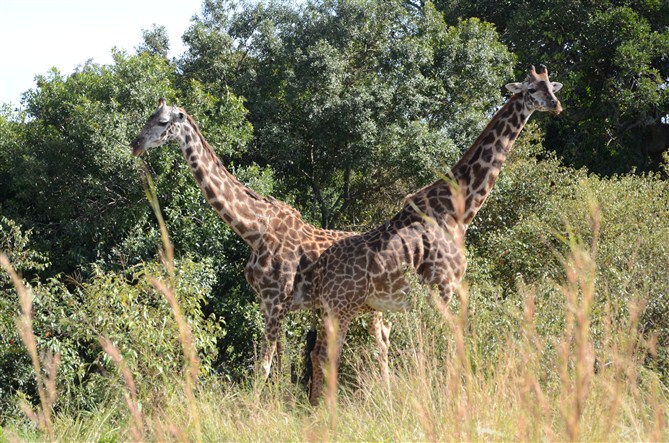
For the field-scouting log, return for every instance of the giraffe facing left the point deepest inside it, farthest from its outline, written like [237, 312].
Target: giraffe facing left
[284, 248]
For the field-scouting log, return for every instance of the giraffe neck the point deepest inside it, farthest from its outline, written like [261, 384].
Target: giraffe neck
[477, 170]
[245, 211]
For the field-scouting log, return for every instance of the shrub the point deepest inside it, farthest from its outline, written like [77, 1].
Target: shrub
[538, 209]
[15, 369]
[125, 308]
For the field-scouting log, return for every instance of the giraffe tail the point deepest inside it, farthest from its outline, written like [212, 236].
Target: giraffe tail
[308, 368]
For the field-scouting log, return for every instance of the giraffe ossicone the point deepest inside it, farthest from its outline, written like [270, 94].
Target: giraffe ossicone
[284, 248]
[427, 235]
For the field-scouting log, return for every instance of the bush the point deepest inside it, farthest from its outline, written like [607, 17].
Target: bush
[125, 308]
[15, 369]
[538, 209]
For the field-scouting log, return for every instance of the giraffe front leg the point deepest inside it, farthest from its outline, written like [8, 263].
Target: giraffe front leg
[273, 307]
[317, 375]
[271, 343]
[267, 353]
[381, 333]
[327, 355]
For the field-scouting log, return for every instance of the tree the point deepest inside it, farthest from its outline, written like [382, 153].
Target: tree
[156, 41]
[611, 55]
[67, 172]
[67, 176]
[354, 103]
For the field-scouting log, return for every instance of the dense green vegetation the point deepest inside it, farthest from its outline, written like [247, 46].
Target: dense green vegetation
[341, 108]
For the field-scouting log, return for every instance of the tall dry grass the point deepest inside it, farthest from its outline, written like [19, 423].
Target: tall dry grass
[46, 382]
[554, 388]
[551, 388]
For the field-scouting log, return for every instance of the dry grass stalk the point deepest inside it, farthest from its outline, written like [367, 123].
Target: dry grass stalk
[185, 336]
[425, 421]
[159, 431]
[167, 254]
[178, 433]
[191, 360]
[579, 291]
[137, 423]
[660, 421]
[46, 388]
[11, 436]
[51, 363]
[529, 387]
[460, 377]
[614, 366]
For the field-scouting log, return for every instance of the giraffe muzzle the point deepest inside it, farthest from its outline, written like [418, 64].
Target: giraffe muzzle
[136, 145]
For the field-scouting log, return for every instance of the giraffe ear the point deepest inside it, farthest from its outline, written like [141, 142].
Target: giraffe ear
[556, 86]
[161, 102]
[515, 87]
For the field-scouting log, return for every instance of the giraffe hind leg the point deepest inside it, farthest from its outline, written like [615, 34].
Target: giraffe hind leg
[310, 345]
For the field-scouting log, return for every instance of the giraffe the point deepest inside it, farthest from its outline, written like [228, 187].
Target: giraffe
[367, 271]
[284, 248]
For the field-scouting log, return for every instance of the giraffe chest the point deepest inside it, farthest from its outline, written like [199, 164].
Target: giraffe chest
[267, 270]
[276, 266]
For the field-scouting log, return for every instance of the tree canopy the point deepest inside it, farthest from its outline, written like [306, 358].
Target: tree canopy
[612, 57]
[352, 103]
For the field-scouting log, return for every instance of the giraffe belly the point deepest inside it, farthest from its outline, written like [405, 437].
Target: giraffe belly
[389, 302]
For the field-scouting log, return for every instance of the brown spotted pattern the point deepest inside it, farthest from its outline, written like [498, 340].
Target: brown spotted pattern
[284, 248]
[427, 236]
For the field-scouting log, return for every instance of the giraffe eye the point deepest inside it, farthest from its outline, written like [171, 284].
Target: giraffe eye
[531, 90]
[163, 123]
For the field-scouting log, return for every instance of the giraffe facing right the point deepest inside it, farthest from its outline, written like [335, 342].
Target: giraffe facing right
[367, 271]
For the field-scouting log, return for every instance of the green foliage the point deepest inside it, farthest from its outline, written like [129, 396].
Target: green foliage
[14, 243]
[66, 166]
[15, 367]
[611, 56]
[123, 307]
[156, 41]
[534, 214]
[69, 175]
[133, 315]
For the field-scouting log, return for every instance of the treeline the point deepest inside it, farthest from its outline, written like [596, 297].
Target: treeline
[339, 108]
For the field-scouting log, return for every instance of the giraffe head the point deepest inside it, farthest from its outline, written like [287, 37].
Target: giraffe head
[538, 91]
[163, 126]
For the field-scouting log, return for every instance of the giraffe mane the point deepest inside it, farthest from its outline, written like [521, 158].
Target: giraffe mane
[498, 116]
[251, 193]
[464, 159]
[196, 128]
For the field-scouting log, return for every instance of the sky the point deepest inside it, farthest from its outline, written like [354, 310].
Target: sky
[36, 35]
